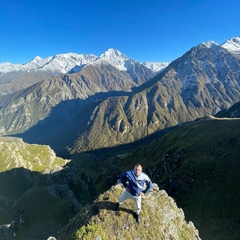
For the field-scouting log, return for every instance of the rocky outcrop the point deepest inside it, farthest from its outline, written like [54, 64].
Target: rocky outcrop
[161, 219]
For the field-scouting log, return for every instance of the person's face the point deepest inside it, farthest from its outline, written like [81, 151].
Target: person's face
[137, 170]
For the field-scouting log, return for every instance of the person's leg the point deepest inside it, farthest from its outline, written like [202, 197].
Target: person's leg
[124, 196]
[138, 201]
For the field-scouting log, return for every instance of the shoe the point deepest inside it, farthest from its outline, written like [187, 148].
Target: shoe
[137, 217]
[116, 206]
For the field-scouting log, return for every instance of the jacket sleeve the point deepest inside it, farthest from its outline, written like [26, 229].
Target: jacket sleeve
[149, 185]
[123, 178]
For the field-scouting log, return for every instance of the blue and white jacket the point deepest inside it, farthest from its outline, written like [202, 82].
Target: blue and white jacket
[136, 183]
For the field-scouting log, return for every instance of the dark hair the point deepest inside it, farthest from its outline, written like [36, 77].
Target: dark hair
[138, 165]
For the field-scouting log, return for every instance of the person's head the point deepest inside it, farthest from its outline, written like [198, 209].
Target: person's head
[137, 169]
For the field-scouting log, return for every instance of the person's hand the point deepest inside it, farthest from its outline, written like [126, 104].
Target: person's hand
[142, 194]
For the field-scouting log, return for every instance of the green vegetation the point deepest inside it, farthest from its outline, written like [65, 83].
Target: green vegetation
[203, 158]
[15, 153]
[160, 219]
[37, 184]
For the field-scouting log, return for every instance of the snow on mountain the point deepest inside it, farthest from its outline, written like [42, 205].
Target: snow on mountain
[232, 45]
[123, 63]
[155, 66]
[72, 62]
[62, 63]
[209, 44]
[59, 63]
[9, 67]
[115, 58]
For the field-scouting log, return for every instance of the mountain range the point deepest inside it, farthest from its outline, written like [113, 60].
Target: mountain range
[14, 77]
[124, 99]
[109, 115]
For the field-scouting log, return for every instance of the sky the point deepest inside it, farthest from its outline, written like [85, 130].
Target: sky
[145, 30]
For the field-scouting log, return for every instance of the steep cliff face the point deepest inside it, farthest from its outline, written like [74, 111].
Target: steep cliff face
[161, 219]
[39, 192]
[15, 153]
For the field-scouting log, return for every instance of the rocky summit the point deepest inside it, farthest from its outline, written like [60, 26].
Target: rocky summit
[161, 219]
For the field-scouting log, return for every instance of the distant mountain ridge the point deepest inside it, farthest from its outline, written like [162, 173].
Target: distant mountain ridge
[14, 77]
[233, 45]
[65, 63]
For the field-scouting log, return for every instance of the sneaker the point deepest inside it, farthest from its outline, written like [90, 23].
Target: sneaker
[137, 217]
[116, 206]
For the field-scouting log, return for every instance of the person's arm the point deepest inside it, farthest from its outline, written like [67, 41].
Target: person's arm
[149, 186]
[123, 179]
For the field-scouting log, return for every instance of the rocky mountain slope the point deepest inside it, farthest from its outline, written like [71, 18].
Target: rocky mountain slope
[202, 82]
[63, 96]
[232, 112]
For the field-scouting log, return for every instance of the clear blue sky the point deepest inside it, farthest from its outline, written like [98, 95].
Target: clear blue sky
[145, 30]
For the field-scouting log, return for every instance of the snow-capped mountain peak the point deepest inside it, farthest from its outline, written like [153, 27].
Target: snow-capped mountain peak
[156, 66]
[209, 44]
[232, 45]
[64, 63]
[114, 58]
[37, 59]
[113, 54]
